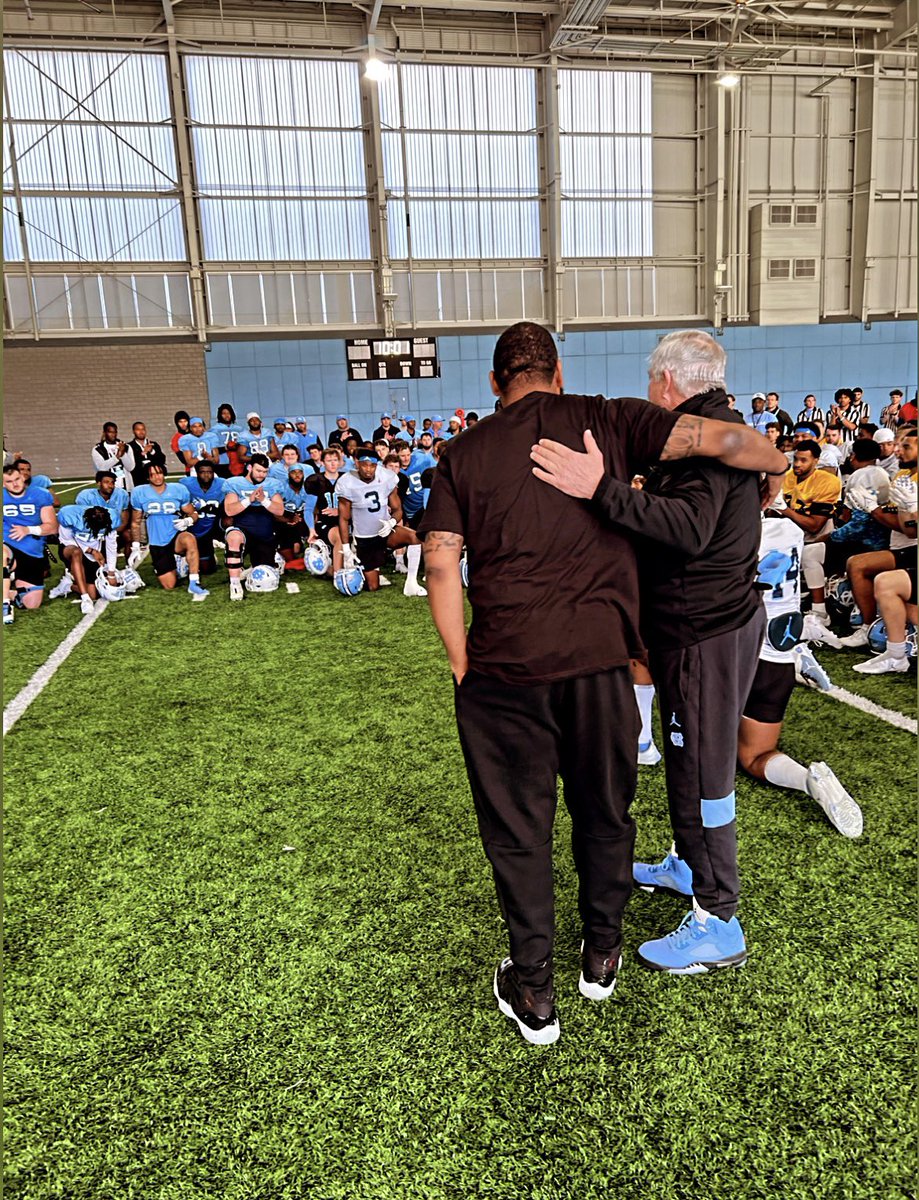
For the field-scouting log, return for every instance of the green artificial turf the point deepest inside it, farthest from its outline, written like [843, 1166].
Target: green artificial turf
[250, 935]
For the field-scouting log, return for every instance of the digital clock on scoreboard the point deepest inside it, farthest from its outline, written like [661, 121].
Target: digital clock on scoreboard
[392, 358]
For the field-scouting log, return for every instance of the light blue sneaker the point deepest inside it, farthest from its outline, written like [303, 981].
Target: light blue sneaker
[809, 672]
[672, 875]
[696, 947]
[196, 591]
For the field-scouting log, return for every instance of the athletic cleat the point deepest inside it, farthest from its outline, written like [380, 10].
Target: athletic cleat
[181, 567]
[86, 604]
[814, 631]
[696, 947]
[819, 618]
[855, 640]
[648, 754]
[883, 664]
[384, 582]
[809, 672]
[7, 613]
[825, 788]
[413, 589]
[197, 592]
[534, 1011]
[62, 587]
[599, 971]
[236, 590]
[672, 875]
[401, 568]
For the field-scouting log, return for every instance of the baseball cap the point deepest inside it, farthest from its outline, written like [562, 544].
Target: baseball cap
[252, 416]
[407, 417]
[279, 421]
[299, 420]
[437, 418]
[365, 454]
[884, 435]
[341, 417]
[758, 396]
[382, 415]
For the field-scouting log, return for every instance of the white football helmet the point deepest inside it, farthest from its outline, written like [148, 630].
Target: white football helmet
[110, 590]
[317, 558]
[263, 579]
[132, 581]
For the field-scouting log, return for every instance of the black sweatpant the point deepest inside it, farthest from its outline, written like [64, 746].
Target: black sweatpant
[516, 742]
[701, 691]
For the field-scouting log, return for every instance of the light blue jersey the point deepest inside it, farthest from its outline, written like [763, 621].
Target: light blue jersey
[117, 502]
[161, 509]
[289, 438]
[223, 434]
[414, 499]
[201, 446]
[72, 518]
[279, 471]
[207, 503]
[298, 502]
[256, 443]
[256, 519]
[25, 510]
[305, 440]
[42, 481]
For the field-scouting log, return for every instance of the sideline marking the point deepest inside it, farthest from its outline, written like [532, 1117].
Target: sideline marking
[872, 709]
[42, 677]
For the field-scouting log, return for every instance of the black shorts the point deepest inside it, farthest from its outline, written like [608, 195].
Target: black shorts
[163, 558]
[372, 552]
[414, 520]
[289, 535]
[323, 528]
[905, 558]
[260, 551]
[29, 569]
[773, 684]
[206, 551]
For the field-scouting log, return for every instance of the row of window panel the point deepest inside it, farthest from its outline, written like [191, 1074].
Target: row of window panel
[52, 85]
[91, 157]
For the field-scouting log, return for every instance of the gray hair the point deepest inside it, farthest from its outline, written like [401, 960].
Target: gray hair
[694, 359]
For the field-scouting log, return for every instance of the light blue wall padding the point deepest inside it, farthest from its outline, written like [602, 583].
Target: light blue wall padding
[716, 813]
[309, 377]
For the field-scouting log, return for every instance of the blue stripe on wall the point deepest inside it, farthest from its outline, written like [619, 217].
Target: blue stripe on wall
[285, 378]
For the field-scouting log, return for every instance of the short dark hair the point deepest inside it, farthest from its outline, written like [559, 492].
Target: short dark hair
[11, 468]
[906, 431]
[835, 425]
[100, 475]
[526, 350]
[259, 460]
[869, 427]
[203, 463]
[20, 462]
[865, 450]
[772, 424]
[810, 446]
[471, 417]
[315, 446]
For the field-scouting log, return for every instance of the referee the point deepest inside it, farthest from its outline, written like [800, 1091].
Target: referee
[703, 622]
[542, 681]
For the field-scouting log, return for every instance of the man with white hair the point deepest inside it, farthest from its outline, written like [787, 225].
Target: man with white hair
[703, 622]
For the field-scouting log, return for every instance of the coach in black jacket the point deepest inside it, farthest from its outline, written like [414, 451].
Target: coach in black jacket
[703, 623]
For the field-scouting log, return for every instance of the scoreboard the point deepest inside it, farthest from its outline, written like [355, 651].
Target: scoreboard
[392, 358]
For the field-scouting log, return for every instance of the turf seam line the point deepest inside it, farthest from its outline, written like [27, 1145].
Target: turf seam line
[874, 710]
[42, 677]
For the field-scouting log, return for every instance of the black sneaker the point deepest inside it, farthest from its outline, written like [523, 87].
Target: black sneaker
[534, 1011]
[599, 971]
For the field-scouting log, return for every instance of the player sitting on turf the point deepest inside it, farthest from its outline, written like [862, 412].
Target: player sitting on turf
[370, 498]
[83, 531]
[251, 503]
[28, 518]
[170, 515]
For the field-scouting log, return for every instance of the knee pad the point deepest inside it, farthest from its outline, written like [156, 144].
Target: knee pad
[812, 563]
[234, 558]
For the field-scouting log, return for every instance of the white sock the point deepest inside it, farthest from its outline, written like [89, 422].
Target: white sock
[412, 561]
[819, 608]
[896, 649]
[785, 772]
[644, 698]
[700, 912]
[193, 577]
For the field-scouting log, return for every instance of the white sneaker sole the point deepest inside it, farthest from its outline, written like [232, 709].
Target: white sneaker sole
[650, 757]
[536, 1037]
[696, 968]
[596, 991]
[197, 599]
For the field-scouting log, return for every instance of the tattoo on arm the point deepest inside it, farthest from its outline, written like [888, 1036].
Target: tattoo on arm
[685, 438]
[438, 540]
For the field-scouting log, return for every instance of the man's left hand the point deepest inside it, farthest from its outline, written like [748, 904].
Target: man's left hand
[572, 473]
[769, 488]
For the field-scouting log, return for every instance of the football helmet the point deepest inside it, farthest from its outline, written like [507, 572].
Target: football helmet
[877, 637]
[349, 581]
[317, 558]
[464, 570]
[263, 579]
[132, 581]
[840, 603]
[110, 590]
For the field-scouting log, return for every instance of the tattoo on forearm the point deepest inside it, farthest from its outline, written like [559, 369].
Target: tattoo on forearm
[438, 540]
[685, 438]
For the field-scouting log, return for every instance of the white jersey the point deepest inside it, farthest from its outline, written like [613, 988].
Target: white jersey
[781, 546]
[902, 494]
[369, 501]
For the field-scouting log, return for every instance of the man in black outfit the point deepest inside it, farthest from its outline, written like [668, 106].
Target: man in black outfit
[147, 453]
[703, 623]
[542, 683]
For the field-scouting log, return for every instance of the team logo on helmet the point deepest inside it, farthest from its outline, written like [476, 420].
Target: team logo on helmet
[317, 558]
[110, 589]
[349, 581]
[263, 579]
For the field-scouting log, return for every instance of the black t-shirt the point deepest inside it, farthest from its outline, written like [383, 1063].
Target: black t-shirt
[338, 436]
[324, 491]
[554, 592]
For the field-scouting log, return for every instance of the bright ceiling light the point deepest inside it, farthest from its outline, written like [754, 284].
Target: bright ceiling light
[728, 80]
[376, 69]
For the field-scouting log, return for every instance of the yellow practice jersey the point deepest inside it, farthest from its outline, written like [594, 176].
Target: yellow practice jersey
[815, 496]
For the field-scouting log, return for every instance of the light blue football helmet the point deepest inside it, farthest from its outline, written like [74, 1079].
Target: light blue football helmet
[877, 637]
[349, 581]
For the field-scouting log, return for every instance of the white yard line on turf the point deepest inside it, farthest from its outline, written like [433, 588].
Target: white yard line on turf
[39, 681]
[872, 709]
